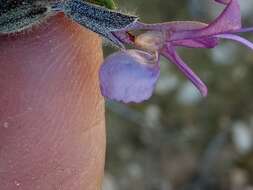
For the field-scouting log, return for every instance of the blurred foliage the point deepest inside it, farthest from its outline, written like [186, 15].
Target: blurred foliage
[106, 3]
[177, 139]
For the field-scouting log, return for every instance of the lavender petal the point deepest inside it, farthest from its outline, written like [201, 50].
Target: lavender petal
[228, 21]
[129, 76]
[209, 42]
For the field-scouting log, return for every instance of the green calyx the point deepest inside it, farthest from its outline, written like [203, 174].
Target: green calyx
[105, 3]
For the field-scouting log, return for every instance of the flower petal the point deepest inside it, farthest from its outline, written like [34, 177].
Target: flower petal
[173, 26]
[237, 38]
[172, 55]
[228, 21]
[209, 42]
[129, 76]
[167, 27]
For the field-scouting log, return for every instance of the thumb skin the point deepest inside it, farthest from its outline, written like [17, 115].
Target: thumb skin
[52, 134]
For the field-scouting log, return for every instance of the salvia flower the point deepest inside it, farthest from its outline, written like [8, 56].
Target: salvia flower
[131, 75]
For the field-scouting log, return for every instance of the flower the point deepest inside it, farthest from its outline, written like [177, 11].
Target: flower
[131, 75]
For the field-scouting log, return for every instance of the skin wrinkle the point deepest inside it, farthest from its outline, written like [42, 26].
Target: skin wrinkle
[50, 98]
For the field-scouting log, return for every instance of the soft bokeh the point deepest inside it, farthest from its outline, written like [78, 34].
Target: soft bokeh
[177, 139]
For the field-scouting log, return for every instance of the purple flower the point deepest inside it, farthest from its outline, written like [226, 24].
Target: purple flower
[131, 75]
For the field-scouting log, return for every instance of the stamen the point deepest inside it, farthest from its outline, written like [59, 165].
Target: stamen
[236, 38]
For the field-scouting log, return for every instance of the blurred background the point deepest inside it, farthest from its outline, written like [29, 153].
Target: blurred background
[177, 139]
